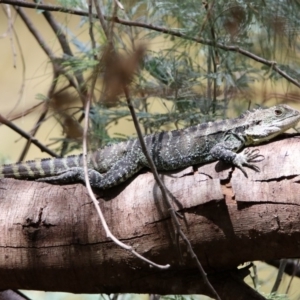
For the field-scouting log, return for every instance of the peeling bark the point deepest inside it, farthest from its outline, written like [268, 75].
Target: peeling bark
[51, 238]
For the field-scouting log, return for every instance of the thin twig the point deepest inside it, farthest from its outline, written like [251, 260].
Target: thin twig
[91, 32]
[48, 51]
[91, 194]
[10, 33]
[164, 195]
[280, 273]
[43, 44]
[23, 82]
[33, 133]
[296, 265]
[34, 31]
[57, 69]
[27, 136]
[42, 116]
[111, 28]
[67, 50]
[24, 113]
[101, 18]
[213, 57]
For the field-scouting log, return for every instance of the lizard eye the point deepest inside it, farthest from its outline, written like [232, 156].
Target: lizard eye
[278, 112]
[257, 122]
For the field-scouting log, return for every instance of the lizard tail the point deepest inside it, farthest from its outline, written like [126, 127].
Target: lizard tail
[33, 169]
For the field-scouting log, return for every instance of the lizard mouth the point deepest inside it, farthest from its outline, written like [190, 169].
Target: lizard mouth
[274, 130]
[288, 122]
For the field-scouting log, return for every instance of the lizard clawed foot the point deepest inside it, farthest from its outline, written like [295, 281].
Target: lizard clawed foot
[247, 158]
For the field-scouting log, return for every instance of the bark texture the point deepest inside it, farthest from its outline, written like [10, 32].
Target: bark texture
[51, 238]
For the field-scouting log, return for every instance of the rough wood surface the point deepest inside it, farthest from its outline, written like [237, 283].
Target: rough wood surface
[51, 238]
[279, 179]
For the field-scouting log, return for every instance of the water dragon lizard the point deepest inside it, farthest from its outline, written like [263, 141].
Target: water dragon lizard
[199, 144]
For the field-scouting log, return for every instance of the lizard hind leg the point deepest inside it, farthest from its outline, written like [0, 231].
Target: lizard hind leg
[72, 175]
[118, 173]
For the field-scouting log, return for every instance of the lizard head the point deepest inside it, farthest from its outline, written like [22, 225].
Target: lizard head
[265, 124]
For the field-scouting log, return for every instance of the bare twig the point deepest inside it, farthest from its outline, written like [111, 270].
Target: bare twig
[33, 133]
[111, 29]
[26, 112]
[34, 31]
[67, 50]
[9, 32]
[48, 51]
[213, 58]
[91, 194]
[280, 273]
[27, 136]
[101, 18]
[91, 32]
[57, 69]
[295, 268]
[23, 66]
[42, 116]
[164, 195]
[43, 45]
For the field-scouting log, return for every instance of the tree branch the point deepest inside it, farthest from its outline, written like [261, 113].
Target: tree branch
[232, 48]
[46, 244]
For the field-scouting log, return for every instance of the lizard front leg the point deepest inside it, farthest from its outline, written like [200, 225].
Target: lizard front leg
[247, 158]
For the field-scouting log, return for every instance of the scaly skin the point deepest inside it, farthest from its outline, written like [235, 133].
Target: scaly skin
[171, 150]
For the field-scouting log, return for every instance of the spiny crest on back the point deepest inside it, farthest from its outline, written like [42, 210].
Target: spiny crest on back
[248, 112]
[45, 159]
[227, 124]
